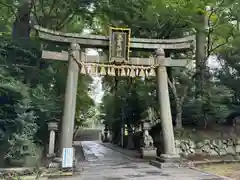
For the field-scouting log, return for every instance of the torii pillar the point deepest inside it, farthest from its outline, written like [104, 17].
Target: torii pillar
[170, 154]
[67, 128]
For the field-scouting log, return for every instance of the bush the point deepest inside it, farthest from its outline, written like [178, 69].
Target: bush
[21, 143]
[209, 109]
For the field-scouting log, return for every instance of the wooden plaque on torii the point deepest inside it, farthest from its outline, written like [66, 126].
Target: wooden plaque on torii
[119, 45]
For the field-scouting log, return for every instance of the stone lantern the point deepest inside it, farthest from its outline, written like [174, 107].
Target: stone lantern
[148, 149]
[52, 127]
[146, 126]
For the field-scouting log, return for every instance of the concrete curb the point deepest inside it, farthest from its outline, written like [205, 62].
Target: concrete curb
[164, 165]
[22, 172]
[186, 165]
[198, 163]
[20, 169]
[79, 144]
[33, 178]
[199, 170]
[58, 174]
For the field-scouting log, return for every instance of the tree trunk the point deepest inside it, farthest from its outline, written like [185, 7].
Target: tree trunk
[21, 25]
[178, 115]
[200, 54]
[179, 102]
[205, 120]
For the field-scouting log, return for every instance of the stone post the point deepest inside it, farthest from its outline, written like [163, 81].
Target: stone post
[105, 134]
[130, 144]
[52, 127]
[70, 98]
[165, 109]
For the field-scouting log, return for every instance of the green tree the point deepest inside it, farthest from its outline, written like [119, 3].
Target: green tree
[42, 82]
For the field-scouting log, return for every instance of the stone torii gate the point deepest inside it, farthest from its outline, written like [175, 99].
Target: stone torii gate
[117, 63]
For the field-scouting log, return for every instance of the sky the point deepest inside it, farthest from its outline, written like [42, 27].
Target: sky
[96, 92]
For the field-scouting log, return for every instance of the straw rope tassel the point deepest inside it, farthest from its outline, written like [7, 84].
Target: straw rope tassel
[108, 69]
[93, 69]
[87, 69]
[152, 72]
[97, 68]
[137, 72]
[111, 71]
[132, 72]
[117, 71]
[128, 71]
[146, 72]
[142, 73]
[83, 69]
[123, 72]
[103, 70]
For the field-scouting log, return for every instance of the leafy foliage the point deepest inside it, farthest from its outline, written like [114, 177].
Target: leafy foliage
[32, 90]
[171, 19]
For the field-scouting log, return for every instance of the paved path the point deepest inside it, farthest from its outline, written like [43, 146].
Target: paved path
[106, 164]
[103, 163]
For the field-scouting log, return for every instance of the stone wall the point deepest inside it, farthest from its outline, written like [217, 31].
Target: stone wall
[208, 147]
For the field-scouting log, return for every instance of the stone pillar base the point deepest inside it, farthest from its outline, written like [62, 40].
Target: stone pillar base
[105, 141]
[169, 161]
[56, 163]
[148, 153]
[166, 158]
[67, 169]
[51, 155]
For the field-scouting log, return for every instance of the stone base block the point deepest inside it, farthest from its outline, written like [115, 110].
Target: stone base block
[57, 175]
[169, 161]
[148, 153]
[169, 158]
[54, 165]
[171, 164]
[67, 170]
[163, 165]
[51, 155]
[57, 163]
